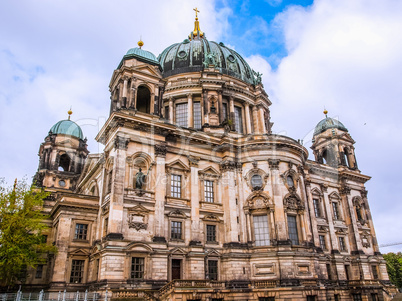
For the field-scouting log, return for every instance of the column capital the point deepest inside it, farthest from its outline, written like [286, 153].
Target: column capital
[324, 187]
[274, 163]
[121, 142]
[160, 150]
[189, 95]
[193, 161]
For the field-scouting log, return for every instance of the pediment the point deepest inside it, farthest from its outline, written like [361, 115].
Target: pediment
[147, 69]
[79, 252]
[213, 253]
[211, 218]
[139, 209]
[178, 164]
[334, 195]
[209, 172]
[139, 247]
[177, 213]
[316, 191]
[178, 251]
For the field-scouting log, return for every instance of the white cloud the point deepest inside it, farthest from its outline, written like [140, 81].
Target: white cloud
[346, 56]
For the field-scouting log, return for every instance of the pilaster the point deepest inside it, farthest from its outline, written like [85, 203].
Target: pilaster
[160, 190]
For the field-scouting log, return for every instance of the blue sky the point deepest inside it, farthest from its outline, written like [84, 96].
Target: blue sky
[343, 55]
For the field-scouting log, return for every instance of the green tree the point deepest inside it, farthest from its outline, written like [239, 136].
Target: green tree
[22, 226]
[394, 268]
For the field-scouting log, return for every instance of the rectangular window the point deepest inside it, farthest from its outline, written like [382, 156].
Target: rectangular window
[329, 273]
[225, 110]
[238, 120]
[137, 268]
[105, 225]
[77, 271]
[175, 186]
[209, 191]
[81, 231]
[175, 230]
[197, 115]
[337, 298]
[266, 299]
[292, 228]
[374, 297]
[342, 246]
[39, 271]
[211, 233]
[261, 230]
[109, 181]
[317, 210]
[311, 298]
[96, 269]
[336, 211]
[166, 113]
[347, 272]
[374, 269]
[322, 242]
[357, 297]
[213, 269]
[181, 115]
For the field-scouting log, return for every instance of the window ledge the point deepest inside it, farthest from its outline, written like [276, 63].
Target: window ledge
[177, 201]
[212, 243]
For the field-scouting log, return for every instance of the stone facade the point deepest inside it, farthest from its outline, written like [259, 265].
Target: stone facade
[194, 198]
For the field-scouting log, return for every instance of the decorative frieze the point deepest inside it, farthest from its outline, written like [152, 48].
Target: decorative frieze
[121, 142]
[160, 150]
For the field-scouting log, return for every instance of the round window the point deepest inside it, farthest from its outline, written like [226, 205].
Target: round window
[256, 182]
[62, 183]
[182, 54]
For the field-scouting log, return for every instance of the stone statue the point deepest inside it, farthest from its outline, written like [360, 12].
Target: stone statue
[209, 59]
[139, 179]
[257, 79]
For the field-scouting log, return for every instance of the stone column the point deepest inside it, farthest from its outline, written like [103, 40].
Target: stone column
[124, 99]
[156, 101]
[229, 201]
[231, 112]
[281, 231]
[328, 209]
[261, 120]
[190, 119]
[351, 220]
[195, 199]
[62, 241]
[160, 193]
[312, 214]
[256, 121]
[205, 105]
[117, 193]
[247, 115]
[370, 222]
[220, 104]
[171, 110]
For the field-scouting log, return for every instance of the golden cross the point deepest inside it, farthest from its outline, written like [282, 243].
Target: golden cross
[196, 11]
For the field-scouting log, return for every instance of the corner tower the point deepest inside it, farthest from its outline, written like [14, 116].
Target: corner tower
[62, 156]
[332, 144]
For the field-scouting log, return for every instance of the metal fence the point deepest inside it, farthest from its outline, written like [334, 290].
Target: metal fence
[55, 296]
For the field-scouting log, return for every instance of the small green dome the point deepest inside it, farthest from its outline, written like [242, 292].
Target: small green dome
[329, 123]
[138, 53]
[67, 127]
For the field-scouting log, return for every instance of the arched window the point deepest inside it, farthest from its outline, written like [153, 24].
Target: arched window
[143, 99]
[256, 182]
[64, 163]
[289, 180]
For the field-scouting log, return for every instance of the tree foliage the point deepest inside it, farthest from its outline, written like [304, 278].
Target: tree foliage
[22, 243]
[394, 268]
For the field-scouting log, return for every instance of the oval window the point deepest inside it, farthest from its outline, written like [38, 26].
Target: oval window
[62, 183]
[256, 182]
[231, 58]
[290, 182]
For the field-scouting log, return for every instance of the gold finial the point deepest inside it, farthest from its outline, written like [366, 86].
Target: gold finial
[325, 112]
[69, 112]
[197, 31]
[140, 43]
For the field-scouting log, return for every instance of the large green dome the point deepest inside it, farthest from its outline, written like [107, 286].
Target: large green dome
[67, 127]
[191, 55]
[329, 123]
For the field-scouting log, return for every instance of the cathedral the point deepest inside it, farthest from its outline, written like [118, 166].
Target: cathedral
[194, 198]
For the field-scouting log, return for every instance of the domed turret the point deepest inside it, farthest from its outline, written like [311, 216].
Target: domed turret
[62, 155]
[332, 144]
